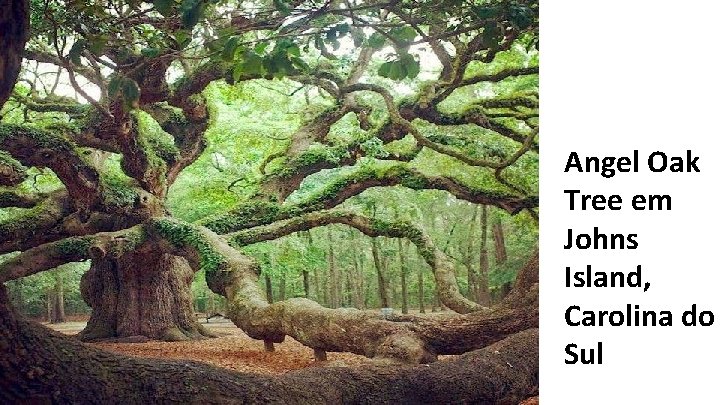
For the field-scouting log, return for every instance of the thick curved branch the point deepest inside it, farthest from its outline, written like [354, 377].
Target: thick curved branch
[74, 249]
[78, 373]
[236, 277]
[42, 148]
[12, 172]
[442, 267]
[401, 174]
[258, 213]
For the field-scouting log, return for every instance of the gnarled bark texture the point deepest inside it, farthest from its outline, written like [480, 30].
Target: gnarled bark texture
[404, 339]
[14, 25]
[141, 293]
[40, 366]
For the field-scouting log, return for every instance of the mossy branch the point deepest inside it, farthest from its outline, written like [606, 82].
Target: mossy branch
[442, 266]
[257, 213]
[17, 199]
[74, 249]
[43, 148]
[234, 275]
[12, 172]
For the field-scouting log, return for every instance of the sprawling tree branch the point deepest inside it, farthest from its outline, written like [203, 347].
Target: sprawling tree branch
[47, 366]
[43, 148]
[74, 249]
[256, 213]
[235, 276]
[442, 267]
[17, 199]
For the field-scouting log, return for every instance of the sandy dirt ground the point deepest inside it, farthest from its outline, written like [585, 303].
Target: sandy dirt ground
[233, 350]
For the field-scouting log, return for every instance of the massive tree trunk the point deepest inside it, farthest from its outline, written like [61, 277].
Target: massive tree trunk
[140, 294]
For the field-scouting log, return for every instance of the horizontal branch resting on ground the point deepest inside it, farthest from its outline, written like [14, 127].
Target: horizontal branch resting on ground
[48, 367]
[235, 276]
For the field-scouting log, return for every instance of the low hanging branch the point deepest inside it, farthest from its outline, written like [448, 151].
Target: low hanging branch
[47, 366]
[74, 249]
[441, 265]
[235, 276]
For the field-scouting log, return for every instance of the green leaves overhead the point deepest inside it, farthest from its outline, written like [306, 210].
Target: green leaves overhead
[283, 60]
[406, 66]
[164, 7]
[125, 87]
[76, 51]
[191, 12]
[376, 40]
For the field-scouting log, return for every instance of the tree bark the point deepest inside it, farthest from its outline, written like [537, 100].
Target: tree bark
[15, 26]
[268, 288]
[143, 293]
[403, 276]
[499, 237]
[40, 366]
[381, 276]
[483, 287]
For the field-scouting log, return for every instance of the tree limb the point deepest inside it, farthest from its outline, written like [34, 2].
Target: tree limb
[441, 265]
[42, 148]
